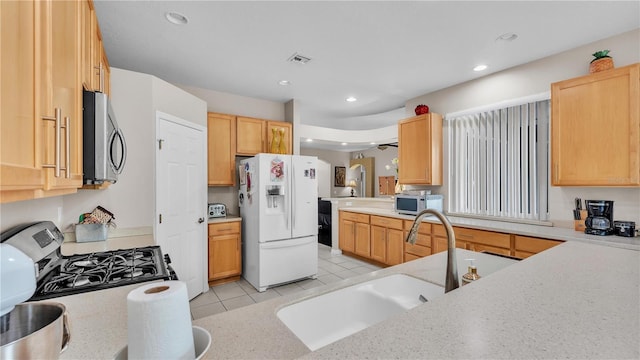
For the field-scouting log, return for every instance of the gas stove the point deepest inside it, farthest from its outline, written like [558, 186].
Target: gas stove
[59, 275]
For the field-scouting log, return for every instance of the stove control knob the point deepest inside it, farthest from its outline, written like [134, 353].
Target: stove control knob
[167, 259]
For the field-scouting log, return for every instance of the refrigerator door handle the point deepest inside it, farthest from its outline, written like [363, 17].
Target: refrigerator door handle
[293, 194]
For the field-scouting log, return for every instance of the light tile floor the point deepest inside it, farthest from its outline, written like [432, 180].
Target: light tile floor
[237, 294]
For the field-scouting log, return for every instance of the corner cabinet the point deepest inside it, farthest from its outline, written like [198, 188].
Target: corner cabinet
[420, 150]
[225, 259]
[284, 131]
[221, 149]
[595, 129]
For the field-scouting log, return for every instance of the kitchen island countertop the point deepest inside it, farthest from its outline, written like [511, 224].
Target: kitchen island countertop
[576, 300]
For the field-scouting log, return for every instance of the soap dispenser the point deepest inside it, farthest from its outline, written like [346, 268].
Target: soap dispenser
[472, 274]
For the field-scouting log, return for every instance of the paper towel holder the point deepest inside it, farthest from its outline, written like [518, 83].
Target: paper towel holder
[201, 345]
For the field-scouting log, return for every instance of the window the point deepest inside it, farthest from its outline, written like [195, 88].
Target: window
[498, 163]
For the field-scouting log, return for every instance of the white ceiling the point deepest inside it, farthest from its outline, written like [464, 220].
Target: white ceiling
[381, 52]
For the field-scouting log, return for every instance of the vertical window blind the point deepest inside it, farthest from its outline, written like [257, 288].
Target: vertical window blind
[498, 162]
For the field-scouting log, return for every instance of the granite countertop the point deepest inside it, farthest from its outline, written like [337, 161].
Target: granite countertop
[228, 218]
[547, 232]
[575, 300]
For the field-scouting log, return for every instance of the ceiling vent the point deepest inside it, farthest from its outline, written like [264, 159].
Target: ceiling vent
[300, 59]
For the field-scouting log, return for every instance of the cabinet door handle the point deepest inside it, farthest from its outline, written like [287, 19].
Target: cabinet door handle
[67, 129]
[57, 119]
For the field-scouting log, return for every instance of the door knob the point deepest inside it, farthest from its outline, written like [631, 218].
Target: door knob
[200, 221]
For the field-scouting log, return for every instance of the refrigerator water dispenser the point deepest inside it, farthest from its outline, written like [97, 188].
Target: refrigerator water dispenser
[275, 196]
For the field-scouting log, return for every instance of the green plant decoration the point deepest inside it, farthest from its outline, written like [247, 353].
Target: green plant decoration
[600, 54]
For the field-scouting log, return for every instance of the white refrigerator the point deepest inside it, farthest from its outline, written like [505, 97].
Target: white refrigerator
[278, 200]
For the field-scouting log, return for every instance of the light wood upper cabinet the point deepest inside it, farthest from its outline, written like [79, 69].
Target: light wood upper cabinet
[225, 259]
[420, 150]
[41, 99]
[284, 136]
[61, 97]
[595, 129]
[250, 136]
[221, 135]
[20, 126]
[94, 66]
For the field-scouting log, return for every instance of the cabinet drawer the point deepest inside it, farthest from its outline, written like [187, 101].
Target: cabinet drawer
[534, 245]
[493, 249]
[483, 237]
[421, 239]
[386, 222]
[409, 257]
[232, 227]
[347, 215]
[425, 228]
[417, 250]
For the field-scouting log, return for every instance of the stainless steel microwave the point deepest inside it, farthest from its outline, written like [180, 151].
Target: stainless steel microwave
[414, 204]
[104, 148]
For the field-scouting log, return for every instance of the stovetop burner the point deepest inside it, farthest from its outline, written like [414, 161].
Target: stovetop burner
[102, 270]
[59, 275]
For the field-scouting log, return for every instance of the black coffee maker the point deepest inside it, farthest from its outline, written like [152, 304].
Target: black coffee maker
[599, 217]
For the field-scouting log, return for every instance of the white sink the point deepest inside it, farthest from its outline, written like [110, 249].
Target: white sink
[321, 320]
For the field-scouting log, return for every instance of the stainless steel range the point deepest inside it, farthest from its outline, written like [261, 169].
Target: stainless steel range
[59, 275]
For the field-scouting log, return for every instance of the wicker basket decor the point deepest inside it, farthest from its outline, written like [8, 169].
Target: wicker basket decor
[601, 65]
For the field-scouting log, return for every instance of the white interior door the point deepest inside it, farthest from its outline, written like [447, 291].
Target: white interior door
[181, 197]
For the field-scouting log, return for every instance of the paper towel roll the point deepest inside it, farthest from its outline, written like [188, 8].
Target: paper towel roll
[159, 322]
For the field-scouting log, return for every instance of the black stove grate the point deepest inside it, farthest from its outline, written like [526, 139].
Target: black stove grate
[76, 274]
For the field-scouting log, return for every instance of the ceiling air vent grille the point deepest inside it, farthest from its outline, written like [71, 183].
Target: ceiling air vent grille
[300, 59]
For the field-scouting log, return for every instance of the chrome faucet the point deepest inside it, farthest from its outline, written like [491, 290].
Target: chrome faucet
[451, 281]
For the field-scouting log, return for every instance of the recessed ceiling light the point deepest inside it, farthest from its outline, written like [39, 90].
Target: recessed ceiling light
[309, 140]
[343, 144]
[480, 67]
[176, 18]
[351, 99]
[284, 82]
[372, 143]
[507, 37]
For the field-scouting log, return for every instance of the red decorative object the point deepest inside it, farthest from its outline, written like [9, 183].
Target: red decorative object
[422, 109]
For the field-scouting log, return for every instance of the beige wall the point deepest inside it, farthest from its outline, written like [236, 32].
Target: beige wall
[226, 103]
[534, 78]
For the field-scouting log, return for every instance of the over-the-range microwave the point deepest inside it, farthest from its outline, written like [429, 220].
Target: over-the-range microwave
[414, 204]
[104, 148]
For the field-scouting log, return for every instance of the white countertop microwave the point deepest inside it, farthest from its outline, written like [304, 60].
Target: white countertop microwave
[414, 204]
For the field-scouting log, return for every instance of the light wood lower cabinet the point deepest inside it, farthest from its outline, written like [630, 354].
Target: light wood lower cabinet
[422, 247]
[526, 246]
[474, 240]
[382, 239]
[386, 240]
[225, 259]
[377, 238]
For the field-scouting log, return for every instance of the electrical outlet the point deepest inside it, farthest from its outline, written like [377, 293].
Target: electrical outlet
[59, 216]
